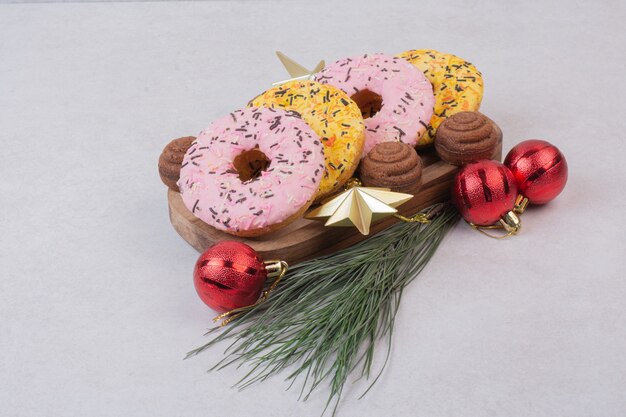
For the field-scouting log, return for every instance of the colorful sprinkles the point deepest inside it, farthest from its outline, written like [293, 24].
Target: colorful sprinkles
[457, 84]
[407, 96]
[333, 116]
[213, 191]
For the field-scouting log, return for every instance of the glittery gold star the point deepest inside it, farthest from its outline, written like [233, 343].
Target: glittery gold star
[297, 71]
[360, 207]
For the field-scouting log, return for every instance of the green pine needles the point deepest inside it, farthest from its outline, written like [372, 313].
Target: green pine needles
[324, 319]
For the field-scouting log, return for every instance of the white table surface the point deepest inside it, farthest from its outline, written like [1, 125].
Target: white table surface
[97, 306]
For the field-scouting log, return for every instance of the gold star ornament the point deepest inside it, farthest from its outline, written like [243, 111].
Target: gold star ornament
[297, 71]
[359, 206]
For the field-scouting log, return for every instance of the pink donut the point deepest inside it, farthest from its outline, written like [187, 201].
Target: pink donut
[395, 93]
[252, 171]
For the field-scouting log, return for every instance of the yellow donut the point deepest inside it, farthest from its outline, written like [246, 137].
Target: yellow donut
[457, 84]
[333, 116]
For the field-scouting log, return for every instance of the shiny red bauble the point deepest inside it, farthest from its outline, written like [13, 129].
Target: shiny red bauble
[229, 275]
[484, 191]
[539, 168]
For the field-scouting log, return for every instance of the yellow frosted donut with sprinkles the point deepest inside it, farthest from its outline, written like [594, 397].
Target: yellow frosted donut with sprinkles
[457, 85]
[333, 116]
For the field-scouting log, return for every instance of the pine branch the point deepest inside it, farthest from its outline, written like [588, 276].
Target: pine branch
[324, 319]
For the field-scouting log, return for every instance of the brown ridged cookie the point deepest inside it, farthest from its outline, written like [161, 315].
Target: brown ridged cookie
[393, 165]
[467, 137]
[170, 160]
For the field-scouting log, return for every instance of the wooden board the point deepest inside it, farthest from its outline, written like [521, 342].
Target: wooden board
[306, 239]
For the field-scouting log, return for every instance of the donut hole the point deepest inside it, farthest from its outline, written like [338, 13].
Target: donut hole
[368, 101]
[249, 164]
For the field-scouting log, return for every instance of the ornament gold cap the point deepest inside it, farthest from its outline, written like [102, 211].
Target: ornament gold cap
[521, 203]
[275, 267]
[509, 222]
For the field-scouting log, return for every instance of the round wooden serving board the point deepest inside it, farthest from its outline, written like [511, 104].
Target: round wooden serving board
[307, 239]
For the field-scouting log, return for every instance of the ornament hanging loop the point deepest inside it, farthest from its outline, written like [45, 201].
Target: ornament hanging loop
[509, 223]
[418, 218]
[275, 269]
[424, 217]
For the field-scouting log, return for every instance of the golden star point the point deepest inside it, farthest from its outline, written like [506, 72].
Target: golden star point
[295, 70]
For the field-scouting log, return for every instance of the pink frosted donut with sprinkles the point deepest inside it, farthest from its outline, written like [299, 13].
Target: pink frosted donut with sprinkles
[253, 171]
[395, 97]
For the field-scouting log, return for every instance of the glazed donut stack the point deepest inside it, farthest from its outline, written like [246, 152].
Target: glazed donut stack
[255, 170]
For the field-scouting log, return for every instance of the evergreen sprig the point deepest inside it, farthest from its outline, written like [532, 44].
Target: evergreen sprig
[323, 320]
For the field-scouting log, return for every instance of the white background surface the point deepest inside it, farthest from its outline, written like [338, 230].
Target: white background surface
[97, 306]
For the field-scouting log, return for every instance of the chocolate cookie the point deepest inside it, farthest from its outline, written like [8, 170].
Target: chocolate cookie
[467, 137]
[393, 165]
[170, 160]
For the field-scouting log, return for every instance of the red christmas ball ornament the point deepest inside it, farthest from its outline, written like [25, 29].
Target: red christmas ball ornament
[539, 168]
[484, 193]
[229, 275]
